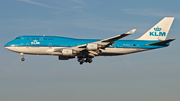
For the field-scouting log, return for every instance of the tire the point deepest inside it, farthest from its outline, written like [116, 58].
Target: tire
[22, 59]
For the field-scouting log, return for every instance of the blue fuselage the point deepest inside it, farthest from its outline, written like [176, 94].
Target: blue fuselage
[53, 41]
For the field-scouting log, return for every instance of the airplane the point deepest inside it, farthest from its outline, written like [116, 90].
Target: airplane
[86, 49]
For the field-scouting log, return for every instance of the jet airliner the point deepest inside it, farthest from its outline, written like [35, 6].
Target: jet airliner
[86, 49]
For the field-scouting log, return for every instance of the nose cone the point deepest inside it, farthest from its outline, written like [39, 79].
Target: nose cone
[6, 45]
[10, 47]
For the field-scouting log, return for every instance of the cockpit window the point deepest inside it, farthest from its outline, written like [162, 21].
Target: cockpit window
[17, 38]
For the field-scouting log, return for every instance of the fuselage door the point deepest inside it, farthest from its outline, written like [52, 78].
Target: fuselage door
[138, 46]
[50, 44]
[27, 44]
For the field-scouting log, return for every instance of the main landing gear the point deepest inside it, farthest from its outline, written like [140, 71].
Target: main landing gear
[81, 60]
[22, 59]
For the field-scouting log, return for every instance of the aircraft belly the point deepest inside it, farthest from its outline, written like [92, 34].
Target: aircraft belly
[50, 50]
[120, 51]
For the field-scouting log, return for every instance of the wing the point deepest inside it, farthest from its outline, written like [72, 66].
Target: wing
[93, 48]
[109, 41]
[119, 36]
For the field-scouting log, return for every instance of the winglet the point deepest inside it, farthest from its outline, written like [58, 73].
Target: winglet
[131, 31]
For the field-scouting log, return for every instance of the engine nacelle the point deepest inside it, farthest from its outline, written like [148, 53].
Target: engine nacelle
[92, 46]
[65, 57]
[68, 52]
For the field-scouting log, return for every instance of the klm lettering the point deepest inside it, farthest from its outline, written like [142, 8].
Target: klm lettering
[157, 34]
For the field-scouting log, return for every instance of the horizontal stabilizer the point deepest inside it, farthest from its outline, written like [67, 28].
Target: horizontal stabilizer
[162, 42]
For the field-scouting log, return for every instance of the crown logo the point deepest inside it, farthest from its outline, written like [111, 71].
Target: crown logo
[157, 29]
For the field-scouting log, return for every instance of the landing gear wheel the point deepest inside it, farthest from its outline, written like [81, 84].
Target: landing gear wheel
[90, 61]
[81, 63]
[87, 60]
[81, 60]
[22, 59]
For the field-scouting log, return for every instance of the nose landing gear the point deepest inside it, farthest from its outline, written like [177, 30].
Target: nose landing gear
[22, 59]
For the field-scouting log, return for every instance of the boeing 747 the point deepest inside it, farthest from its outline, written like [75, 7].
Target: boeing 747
[86, 49]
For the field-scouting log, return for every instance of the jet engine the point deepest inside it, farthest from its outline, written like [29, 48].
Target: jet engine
[92, 46]
[68, 52]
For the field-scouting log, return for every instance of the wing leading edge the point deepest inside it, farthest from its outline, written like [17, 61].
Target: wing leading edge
[118, 36]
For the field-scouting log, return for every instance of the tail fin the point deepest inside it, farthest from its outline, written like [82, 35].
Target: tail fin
[159, 31]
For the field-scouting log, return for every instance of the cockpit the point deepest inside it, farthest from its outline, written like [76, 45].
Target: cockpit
[18, 38]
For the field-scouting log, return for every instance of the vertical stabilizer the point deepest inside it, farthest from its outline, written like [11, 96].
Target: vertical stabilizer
[159, 31]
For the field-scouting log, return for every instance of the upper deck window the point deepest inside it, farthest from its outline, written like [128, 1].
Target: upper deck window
[48, 38]
[18, 38]
[33, 38]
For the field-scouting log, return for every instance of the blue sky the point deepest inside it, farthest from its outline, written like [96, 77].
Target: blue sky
[146, 76]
